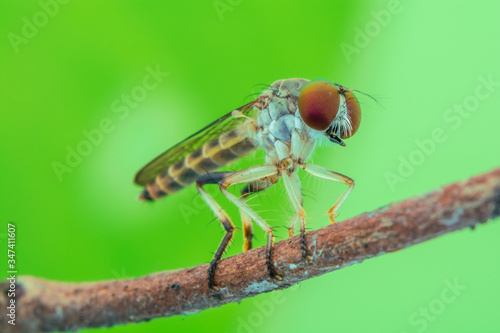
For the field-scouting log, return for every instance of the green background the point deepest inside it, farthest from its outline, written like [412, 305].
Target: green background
[87, 225]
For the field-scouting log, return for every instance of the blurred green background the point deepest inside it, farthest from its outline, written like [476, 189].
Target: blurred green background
[66, 70]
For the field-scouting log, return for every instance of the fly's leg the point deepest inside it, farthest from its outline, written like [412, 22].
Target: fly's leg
[252, 188]
[228, 225]
[293, 188]
[321, 172]
[251, 175]
[247, 229]
[293, 225]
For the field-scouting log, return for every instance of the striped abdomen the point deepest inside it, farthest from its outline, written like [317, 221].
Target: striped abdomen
[223, 150]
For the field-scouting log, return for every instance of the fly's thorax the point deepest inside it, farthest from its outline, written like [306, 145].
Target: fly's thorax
[288, 87]
[282, 131]
[276, 121]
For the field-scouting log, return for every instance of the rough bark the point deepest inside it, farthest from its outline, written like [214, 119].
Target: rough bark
[44, 306]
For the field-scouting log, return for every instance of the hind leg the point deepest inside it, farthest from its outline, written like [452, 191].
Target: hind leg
[222, 217]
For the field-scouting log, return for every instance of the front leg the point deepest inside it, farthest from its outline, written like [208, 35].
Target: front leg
[321, 172]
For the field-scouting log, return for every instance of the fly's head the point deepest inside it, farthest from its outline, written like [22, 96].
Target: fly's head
[331, 108]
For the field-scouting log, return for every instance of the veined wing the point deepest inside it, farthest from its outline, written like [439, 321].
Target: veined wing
[182, 149]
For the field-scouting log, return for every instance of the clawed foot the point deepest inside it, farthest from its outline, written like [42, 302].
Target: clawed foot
[211, 275]
[273, 275]
[270, 266]
[303, 248]
[333, 218]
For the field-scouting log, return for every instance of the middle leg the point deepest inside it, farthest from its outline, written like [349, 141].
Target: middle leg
[246, 220]
[251, 175]
[294, 191]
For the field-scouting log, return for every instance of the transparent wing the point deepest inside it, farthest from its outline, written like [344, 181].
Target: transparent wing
[192, 143]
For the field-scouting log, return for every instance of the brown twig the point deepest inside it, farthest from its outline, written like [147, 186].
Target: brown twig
[44, 306]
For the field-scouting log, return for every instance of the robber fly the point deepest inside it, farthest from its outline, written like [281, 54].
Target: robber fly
[286, 120]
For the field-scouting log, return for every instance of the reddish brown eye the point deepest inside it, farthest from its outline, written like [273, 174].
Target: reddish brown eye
[319, 103]
[353, 112]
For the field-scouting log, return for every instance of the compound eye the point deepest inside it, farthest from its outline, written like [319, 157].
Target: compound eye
[353, 112]
[319, 103]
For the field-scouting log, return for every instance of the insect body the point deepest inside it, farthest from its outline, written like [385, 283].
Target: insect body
[286, 121]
